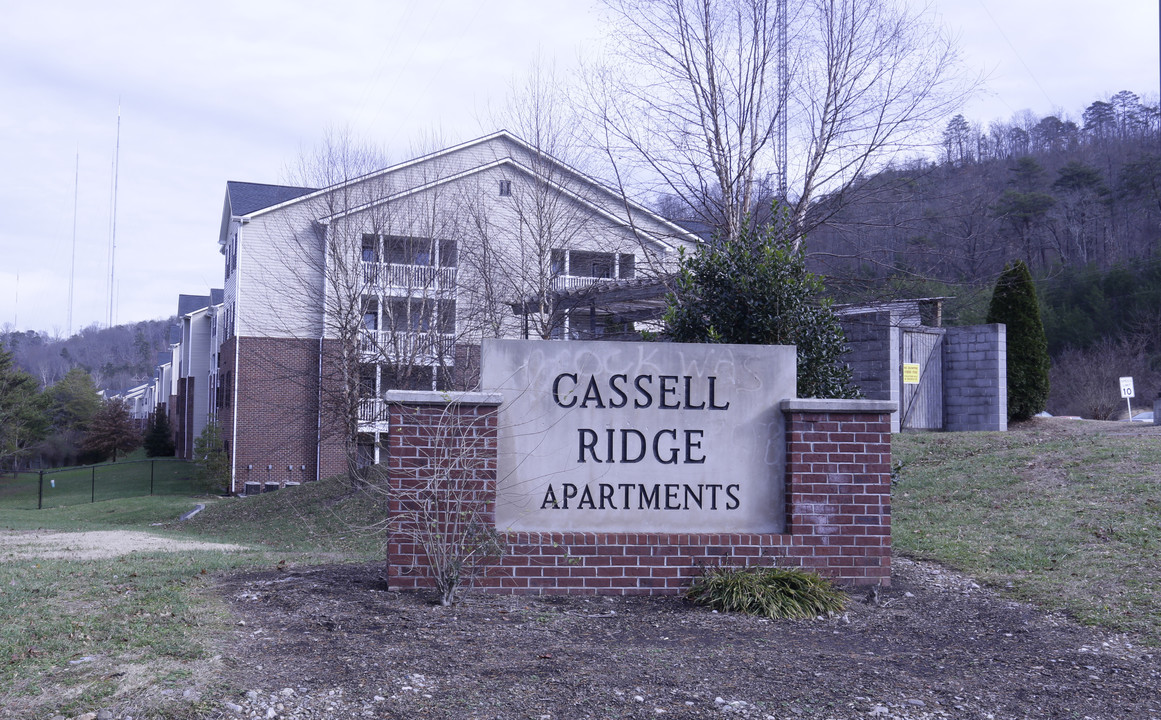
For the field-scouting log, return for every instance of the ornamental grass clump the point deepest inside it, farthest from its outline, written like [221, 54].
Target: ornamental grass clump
[769, 592]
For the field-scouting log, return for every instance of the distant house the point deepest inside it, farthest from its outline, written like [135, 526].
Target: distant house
[402, 271]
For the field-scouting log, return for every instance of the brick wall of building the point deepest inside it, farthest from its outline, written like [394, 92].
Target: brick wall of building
[276, 402]
[838, 501]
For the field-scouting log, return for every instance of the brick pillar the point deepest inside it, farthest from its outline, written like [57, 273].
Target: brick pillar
[838, 487]
[442, 470]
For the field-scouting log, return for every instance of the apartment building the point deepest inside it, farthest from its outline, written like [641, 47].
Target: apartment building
[390, 280]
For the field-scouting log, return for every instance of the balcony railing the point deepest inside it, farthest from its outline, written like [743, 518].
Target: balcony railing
[412, 348]
[372, 410]
[409, 277]
[573, 282]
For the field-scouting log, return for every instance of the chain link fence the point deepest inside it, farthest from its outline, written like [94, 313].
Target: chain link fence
[74, 486]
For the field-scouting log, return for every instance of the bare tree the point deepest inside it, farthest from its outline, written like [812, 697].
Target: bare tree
[1085, 382]
[441, 505]
[547, 239]
[368, 269]
[687, 103]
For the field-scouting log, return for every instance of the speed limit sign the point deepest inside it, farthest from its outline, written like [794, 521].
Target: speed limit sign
[1127, 387]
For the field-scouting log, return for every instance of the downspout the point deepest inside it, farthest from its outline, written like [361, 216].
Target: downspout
[237, 353]
[322, 332]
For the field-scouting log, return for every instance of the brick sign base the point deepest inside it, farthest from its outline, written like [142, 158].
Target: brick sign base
[838, 504]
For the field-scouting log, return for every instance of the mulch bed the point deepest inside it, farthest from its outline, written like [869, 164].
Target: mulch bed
[335, 642]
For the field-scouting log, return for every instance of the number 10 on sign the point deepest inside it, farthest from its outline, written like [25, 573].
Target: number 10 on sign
[1127, 394]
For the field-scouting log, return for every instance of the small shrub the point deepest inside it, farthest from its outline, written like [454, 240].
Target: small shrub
[756, 290]
[212, 464]
[769, 592]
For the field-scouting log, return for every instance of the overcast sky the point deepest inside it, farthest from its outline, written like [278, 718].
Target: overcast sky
[215, 91]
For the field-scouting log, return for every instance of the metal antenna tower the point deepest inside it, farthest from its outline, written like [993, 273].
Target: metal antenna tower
[783, 97]
[73, 261]
[113, 217]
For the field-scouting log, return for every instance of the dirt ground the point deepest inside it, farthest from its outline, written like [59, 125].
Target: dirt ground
[333, 642]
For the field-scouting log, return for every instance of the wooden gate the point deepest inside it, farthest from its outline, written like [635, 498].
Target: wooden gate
[922, 406]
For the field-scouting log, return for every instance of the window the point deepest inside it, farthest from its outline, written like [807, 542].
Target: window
[408, 377]
[505, 188]
[446, 320]
[590, 264]
[371, 315]
[420, 316]
[404, 250]
[408, 250]
[224, 389]
[370, 248]
[367, 381]
[365, 451]
[627, 267]
[447, 253]
[585, 263]
[408, 315]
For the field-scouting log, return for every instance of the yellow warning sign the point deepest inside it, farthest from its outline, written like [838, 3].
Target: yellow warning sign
[911, 373]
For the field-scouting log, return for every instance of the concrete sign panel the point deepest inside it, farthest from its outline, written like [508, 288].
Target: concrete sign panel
[640, 437]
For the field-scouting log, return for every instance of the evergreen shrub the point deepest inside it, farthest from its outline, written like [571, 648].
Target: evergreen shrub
[1014, 303]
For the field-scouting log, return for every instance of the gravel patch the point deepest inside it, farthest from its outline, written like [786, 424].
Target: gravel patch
[95, 545]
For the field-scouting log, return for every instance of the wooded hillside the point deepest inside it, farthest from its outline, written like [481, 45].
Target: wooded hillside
[117, 358]
[1079, 201]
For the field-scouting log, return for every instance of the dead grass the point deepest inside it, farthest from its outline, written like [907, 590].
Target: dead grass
[1064, 513]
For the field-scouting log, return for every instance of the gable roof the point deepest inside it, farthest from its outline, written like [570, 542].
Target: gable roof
[509, 162]
[188, 303]
[191, 303]
[245, 197]
[306, 194]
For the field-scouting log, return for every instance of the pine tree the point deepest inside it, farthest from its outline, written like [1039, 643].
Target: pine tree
[755, 290]
[74, 400]
[1014, 303]
[23, 411]
[159, 436]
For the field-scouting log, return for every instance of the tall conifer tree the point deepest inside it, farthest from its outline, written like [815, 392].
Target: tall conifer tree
[1014, 303]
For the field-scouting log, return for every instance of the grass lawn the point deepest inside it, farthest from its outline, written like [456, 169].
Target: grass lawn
[1063, 513]
[80, 633]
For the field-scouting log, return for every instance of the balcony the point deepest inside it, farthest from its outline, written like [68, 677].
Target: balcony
[372, 410]
[575, 282]
[412, 348]
[409, 278]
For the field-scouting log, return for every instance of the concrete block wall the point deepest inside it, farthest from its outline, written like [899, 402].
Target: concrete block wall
[871, 341]
[975, 372]
[838, 503]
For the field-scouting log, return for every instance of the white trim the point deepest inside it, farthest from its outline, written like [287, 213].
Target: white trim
[507, 161]
[499, 134]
